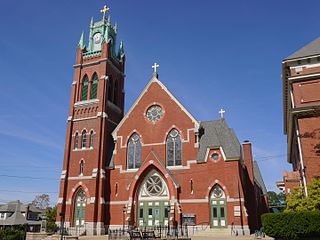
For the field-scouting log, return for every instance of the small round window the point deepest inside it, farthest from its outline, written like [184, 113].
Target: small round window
[215, 156]
[154, 113]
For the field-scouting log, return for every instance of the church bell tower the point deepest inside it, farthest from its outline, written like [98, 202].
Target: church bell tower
[96, 108]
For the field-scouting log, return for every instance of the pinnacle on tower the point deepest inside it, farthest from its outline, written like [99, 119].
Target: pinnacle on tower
[121, 50]
[81, 43]
[91, 22]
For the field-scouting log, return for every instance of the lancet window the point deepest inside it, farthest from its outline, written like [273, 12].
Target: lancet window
[174, 148]
[134, 152]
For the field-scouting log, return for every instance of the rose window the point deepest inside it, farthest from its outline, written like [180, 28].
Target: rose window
[154, 113]
[154, 185]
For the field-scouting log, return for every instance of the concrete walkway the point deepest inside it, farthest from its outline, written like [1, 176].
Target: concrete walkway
[222, 236]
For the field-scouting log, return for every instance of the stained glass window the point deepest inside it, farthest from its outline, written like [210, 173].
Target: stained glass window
[84, 139]
[84, 91]
[94, 86]
[174, 148]
[134, 152]
[80, 209]
[154, 113]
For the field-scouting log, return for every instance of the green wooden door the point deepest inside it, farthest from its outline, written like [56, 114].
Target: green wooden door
[153, 213]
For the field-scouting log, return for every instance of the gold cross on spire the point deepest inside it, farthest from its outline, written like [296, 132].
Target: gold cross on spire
[104, 11]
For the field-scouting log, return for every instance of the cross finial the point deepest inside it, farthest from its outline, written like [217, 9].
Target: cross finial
[155, 67]
[104, 11]
[222, 111]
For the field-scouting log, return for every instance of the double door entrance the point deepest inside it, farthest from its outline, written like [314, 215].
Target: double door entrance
[218, 216]
[153, 213]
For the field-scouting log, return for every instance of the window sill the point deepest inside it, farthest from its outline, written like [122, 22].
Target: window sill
[132, 169]
[175, 167]
[81, 149]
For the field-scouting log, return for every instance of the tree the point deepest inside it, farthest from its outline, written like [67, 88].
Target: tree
[51, 214]
[297, 201]
[275, 199]
[41, 201]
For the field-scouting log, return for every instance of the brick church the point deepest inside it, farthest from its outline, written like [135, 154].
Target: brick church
[154, 165]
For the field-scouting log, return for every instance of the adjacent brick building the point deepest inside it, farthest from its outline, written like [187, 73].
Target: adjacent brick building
[154, 165]
[301, 103]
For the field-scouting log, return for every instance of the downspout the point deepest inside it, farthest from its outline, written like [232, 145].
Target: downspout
[299, 147]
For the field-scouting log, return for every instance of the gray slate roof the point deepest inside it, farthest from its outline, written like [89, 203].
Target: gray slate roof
[258, 177]
[11, 207]
[310, 49]
[215, 134]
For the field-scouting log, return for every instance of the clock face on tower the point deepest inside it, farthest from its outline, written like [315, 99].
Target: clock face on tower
[97, 38]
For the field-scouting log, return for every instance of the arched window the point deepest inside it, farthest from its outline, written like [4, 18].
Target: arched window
[84, 139]
[115, 93]
[134, 152]
[91, 138]
[94, 86]
[80, 208]
[81, 167]
[84, 91]
[174, 148]
[110, 89]
[76, 140]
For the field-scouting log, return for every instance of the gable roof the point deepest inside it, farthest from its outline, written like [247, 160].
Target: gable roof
[154, 79]
[218, 134]
[310, 49]
[258, 177]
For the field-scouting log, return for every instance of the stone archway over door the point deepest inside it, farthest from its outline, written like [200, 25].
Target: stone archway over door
[218, 208]
[80, 209]
[153, 201]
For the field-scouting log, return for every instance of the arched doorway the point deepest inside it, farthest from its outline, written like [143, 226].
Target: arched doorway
[80, 209]
[218, 208]
[153, 201]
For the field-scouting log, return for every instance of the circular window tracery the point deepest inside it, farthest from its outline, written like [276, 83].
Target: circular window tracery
[215, 156]
[154, 113]
[217, 192]
[154, 185]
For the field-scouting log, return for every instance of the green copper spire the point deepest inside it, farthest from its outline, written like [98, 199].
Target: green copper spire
[115, 27]
[82, 43]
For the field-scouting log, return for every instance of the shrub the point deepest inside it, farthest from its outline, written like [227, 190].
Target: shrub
[292, 225]
[12, 234]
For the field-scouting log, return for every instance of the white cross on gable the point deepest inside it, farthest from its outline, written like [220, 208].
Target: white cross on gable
[155, 67]
[222, 111]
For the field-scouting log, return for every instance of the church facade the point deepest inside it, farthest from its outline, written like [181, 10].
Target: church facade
[156, 164]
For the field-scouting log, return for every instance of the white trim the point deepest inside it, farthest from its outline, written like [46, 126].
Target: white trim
[86, 103]
[117, 202]
[153, 80]
[304, 76]
[102, 114]
[222, 153]
[60, 200]
[229, 199]
[80, 177]
[124, 144]
[203, 200]
[86, 118]
[92, 200]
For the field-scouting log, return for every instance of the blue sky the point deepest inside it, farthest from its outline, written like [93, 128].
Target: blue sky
[212, 54]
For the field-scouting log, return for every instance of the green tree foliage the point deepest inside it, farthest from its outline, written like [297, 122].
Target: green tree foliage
[51, 214]
[276, 199]
[296, 200]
